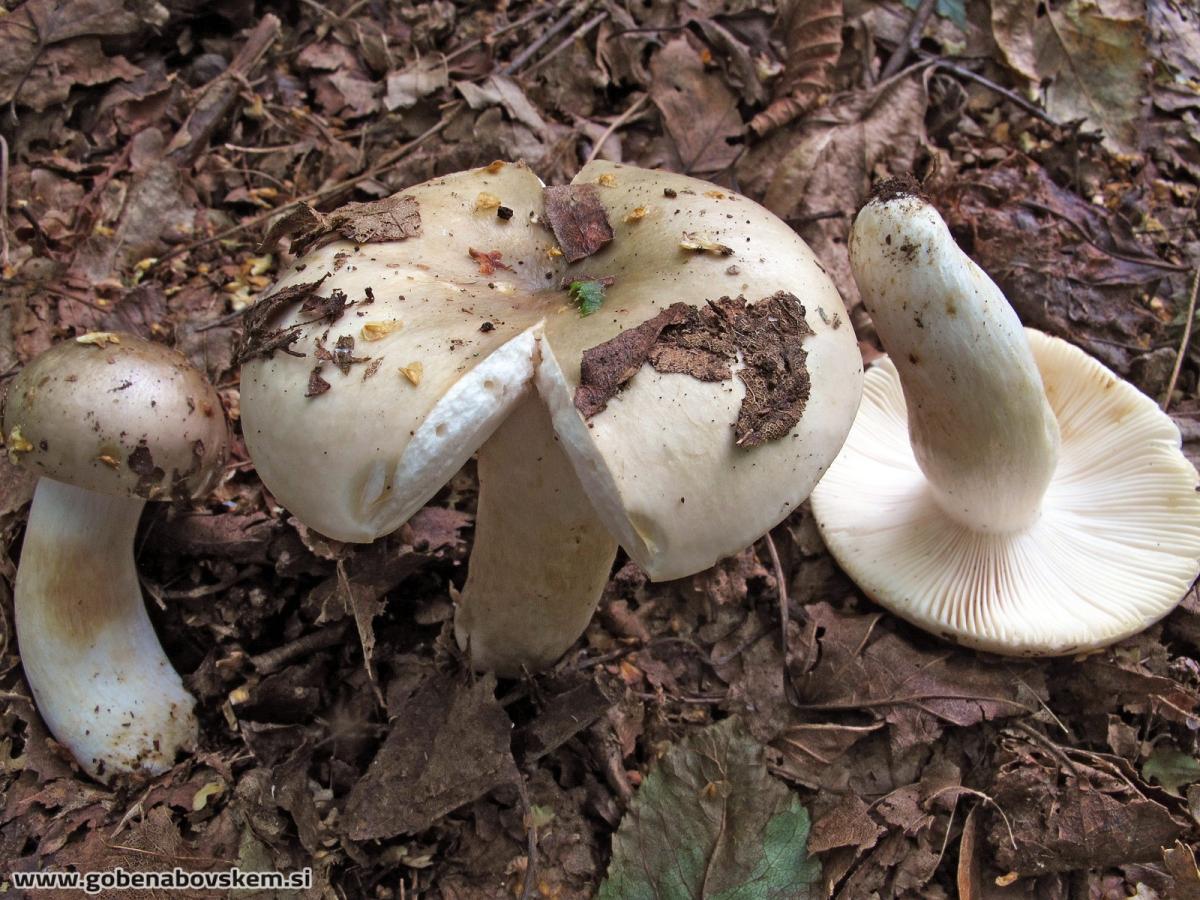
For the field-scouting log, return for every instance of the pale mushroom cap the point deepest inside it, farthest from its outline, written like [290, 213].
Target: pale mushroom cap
[660, 464]
[118, 415]
[1117, 543]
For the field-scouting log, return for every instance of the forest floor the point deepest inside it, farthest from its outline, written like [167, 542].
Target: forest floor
[148, 145]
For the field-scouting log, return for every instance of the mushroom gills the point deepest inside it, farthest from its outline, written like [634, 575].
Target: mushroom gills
[115, 700]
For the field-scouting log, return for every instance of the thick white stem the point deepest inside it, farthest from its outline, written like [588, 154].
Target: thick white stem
[99, 676]
[541, 557]
[981, 428]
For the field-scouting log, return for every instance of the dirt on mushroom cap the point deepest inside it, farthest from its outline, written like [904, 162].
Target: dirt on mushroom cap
[132, 417]
[705, 342]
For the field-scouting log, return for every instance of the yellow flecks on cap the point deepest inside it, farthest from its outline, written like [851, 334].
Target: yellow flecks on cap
[17, 444]
[636, 214]
[413, 372]
[486, 201]
[554, 252]
[111, 461]
[494, 167]
[375, 331]
[608, 179]
[98, 338]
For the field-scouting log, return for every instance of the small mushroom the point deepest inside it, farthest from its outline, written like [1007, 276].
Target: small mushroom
[999, 487]
[657, 467]
[109, 422]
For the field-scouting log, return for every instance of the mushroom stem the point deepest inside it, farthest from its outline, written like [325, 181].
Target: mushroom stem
[541, 556]
[981, 428]
[98, 674]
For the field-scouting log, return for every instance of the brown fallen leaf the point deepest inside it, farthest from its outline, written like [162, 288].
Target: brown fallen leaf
[1078, 818]
[699, 111]
[578, 218]
[812, 37]
[447, 745]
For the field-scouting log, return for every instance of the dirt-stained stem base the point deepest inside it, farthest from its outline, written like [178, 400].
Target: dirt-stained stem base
[541, 556]
[98, 674]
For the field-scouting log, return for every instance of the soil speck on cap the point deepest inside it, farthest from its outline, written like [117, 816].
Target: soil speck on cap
[896, 188]
[316, 384]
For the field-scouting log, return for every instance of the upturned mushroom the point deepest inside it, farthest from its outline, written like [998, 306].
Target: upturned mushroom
[639, 358]
[109, 421]
[999, 487]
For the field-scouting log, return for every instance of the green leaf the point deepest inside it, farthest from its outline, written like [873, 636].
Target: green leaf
[710, 822]
[588, 295]
[1171, 769]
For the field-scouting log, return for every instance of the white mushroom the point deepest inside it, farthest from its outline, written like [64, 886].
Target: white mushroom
[999, 487]
[109, 421]
[493, 355]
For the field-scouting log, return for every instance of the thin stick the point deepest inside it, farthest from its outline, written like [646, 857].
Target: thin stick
[1004, 92]
[315, 196]
[275, 659]
[528, 53]
[911, 38]
[1086, 235]
[578, 34]
[782, 591]
[500, 32]
[1183, 343]
[531, 839]
[617, 123]
[3, 201]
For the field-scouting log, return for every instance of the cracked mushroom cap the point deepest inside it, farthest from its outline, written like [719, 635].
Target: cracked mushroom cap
[118, 415]
[365, 415]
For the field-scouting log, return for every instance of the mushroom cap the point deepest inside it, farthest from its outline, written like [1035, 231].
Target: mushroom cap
[1116, 546]
[119, 415]
[660, 463]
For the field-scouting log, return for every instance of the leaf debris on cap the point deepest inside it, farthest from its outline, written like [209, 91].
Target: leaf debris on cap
[390, 219]
[578, 219]
[705, 342]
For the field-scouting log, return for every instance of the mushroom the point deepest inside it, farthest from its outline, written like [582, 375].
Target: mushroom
[480, 334]
[109, 421]
[999, 488]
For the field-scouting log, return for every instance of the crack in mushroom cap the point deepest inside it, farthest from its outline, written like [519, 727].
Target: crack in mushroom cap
[1116, 546]
[125, 417]
[659, 464]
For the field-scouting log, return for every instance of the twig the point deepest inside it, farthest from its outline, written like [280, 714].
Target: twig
[3, 202]
[275, 659]
[1183, 343]
[910, 40]
[529, 52]
[316, 196]
[1086, 235]
[537, 13]
[531, 839]
[217, 98]
[1004, 92]
[982, 796]
[1056, 751]
[617, 123]
[578, 34]
[782, 592]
